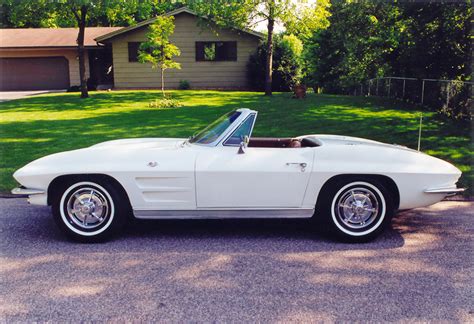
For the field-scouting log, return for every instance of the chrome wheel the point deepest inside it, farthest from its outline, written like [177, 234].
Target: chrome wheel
[90, 210]
[357, 208]
[87, 208]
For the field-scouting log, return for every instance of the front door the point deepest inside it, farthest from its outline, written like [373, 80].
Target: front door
[258, 178]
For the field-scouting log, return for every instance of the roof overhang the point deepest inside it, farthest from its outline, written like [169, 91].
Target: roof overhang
[171, 13]
[47, 47]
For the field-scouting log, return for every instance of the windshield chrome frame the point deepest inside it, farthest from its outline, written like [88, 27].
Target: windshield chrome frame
[245, 112]
[235, 129]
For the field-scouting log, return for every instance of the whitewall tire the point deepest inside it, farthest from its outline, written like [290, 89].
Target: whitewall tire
[89, 211]
[356, 210]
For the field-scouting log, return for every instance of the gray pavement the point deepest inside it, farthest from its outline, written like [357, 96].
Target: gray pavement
[238, 271]
[12, 95]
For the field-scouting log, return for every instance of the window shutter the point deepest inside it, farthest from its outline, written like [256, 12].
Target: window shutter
[231, 51]
[199, 51]
[133, 48]
[221, 52]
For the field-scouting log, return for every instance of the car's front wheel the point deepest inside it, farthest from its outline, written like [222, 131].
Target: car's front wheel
[89, 211]
[356, 210]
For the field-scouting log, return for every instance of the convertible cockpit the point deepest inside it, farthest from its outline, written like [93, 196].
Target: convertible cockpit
[236, 127]
[282, 142]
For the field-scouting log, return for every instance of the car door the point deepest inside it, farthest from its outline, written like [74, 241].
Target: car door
[258, 178]
[226, 177]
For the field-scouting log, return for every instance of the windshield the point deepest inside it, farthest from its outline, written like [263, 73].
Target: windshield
[215, 129]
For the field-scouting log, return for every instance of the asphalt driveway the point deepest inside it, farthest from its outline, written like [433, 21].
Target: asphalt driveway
[12, 95]
[243, 271]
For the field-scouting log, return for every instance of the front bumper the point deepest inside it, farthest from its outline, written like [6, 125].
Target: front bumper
[35, 196]
[26, 191]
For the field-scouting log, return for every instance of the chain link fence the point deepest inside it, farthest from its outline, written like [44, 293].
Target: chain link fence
[450, 97]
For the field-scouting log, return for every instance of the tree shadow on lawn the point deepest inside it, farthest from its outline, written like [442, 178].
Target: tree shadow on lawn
[279, 116]
[71, 101]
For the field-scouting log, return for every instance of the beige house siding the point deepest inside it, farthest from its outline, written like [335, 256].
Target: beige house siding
[217, 74]
[69, 54]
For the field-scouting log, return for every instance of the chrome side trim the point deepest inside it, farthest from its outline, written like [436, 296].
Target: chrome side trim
[448, 191]
[26, 191]
[224, 213]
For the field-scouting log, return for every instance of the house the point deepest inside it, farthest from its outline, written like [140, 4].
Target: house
[209, 58]
[45, 58]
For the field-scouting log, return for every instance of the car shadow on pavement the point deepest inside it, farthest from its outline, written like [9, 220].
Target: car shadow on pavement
[225, 235]
[243, 235]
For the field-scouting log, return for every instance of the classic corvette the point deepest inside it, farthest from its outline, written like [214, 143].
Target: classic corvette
[351, 186]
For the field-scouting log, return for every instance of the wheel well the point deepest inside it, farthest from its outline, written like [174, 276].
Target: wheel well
[58, 183]
[386, 181]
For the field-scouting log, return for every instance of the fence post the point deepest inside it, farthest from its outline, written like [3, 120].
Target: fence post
[389, 82]
[370, 82]
[403, 95]
[422, 91]
[377, 87]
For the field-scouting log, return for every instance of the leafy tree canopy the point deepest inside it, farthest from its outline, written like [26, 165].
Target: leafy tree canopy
[57, 13]
[300, 17]
[158, 50]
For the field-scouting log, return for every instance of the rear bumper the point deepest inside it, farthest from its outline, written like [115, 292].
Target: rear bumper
[447, 191]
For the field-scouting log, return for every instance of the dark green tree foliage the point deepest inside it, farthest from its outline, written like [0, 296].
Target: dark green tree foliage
[358, 43]
[45, 14]
[368, 39]
[286, 64]
[436, 41]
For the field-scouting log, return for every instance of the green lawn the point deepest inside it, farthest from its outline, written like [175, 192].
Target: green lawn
[34, 127]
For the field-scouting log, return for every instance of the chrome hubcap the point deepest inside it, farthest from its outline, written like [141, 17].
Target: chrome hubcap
[87, 208]
[357, 208]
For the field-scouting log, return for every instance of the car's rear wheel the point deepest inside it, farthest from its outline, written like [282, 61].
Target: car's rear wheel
[89, 211]
[356, 210]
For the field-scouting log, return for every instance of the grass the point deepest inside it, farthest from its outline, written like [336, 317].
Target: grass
[37, 126]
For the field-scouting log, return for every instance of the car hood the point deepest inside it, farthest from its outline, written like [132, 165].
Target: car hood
[91, 159]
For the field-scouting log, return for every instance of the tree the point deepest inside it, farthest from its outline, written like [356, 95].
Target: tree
[158, 50]
[358, 45]
[247, 13]
[286, 64]
[80, 13]
[376, 39]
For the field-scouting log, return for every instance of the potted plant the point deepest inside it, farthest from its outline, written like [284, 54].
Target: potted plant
[299, 91]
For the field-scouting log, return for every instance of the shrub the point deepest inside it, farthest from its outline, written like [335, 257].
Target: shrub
[165, 103]
[184, 85]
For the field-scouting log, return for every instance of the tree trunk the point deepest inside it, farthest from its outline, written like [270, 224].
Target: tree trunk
[269, 62]
[81, 20]
[163, 82]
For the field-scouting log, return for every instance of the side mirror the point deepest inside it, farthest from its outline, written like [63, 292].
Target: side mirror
[243, 145]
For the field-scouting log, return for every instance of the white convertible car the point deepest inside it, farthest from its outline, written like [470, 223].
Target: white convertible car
[352, 185]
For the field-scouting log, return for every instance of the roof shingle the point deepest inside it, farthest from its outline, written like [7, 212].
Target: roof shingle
[49, 37]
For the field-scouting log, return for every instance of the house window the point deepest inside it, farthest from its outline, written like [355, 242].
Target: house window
[133, 48]
[216, 51]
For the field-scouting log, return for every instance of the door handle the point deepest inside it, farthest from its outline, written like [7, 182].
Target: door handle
[303, 165]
